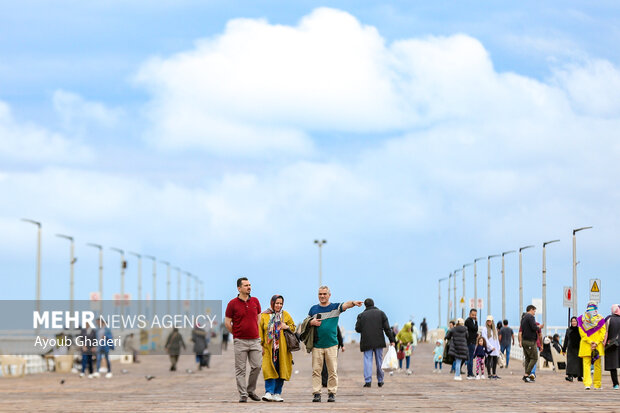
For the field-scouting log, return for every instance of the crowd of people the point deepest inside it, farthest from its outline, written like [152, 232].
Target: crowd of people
[588, 338]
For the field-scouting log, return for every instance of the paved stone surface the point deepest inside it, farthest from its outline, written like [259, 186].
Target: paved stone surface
[213, 390]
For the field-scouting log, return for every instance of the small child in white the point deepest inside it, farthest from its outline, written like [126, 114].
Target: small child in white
[438, 356]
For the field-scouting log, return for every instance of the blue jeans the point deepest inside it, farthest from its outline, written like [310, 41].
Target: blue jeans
[87, 360]
[100, 355]
[400, 362]
[378, 352]
[470, 360]
[507, 349]
[457, 367]
[438, 363]
[274, 386]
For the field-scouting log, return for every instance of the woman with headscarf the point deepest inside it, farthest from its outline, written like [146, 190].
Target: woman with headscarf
[199, 338]
[458, 346]
[612, 355]
[591, 349]
[574, 365]
[404, 342]
[277, 359]
[489, 332]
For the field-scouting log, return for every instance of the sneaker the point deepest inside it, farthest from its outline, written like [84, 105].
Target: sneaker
[527, 379]
[391, 373]
[96, 375]
[458, 378]
[243, 399]
[108, 375]
[568, 378]
[587, 387]
[472, 378]
[532, 377]
[435, 371]
[366, 384]
[482, 377]
[409, 372]
[254, 397]
[90, 376]
[331, 397]
[497, 377]
[380, 384]
[616, 387]
[477, 377]
[316, 398]
[81, 374]
[268, 397]
[277, 398]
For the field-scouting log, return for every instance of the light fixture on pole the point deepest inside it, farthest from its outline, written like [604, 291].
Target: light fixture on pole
[521, 277]
[489, 283]
[464, 295]
[123, 266]
[100, 248]
[476, 283]
[320, 245]
[544, 284]
[139, 257]
[575, 231]
[152, 258]
[504, 284]
[72, 261]
[439, 306]
[38, 288]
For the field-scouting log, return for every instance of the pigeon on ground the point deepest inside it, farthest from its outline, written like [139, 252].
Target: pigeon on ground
[62, 381]
[149, 378]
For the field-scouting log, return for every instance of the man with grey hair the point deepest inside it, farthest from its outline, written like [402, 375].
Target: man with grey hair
[325, 319]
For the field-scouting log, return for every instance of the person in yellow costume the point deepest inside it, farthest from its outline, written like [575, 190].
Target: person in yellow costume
[277, 359]
[591, 349]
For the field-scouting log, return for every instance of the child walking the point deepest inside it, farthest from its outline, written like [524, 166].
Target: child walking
[438, 356]
[480, 355]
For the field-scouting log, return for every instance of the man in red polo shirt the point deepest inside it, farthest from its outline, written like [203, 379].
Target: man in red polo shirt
[242, 314]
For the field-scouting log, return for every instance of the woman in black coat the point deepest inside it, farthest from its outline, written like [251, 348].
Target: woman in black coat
[612, 353]
[574, 364]
[458, 346]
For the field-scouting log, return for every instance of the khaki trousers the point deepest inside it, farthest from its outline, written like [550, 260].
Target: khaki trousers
[247, 350]
[330, 355]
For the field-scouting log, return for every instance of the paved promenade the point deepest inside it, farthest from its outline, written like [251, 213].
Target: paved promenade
[213, 390]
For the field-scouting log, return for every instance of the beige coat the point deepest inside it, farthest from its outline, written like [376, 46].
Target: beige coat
[286, 358]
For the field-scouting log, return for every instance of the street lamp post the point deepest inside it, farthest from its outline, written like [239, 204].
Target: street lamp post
[454, 286]
[464, 295]
[178, 289]
[575, 231]
[439, 306]
[320, 245]
[38, 288]
[188, 293]
[504, 284]
[167, 285]
[489, 283]
[521, 277]
[123, 266]
[72, 261]
[476, 281]
[152, 258]
[544, 283]
[448, 300]
[139, 257]
[100, 248]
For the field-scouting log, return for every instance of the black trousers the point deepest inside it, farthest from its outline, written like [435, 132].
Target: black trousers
[492, 365]
[614, 376]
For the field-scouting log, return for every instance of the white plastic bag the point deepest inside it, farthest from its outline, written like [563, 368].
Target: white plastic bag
[390, 361]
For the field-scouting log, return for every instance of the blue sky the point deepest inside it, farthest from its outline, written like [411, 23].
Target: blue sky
[226, 136]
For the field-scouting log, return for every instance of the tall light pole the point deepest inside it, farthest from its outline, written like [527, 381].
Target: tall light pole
[72, 261]
[464, 295]
[139, 257]
[454, 285]
[167, 285]
[575, 231]
[178, 289]
[521, 278]
[123, 266]
[188, 293]
[544, 283]
[439, 306]
[320, 245]
[476, 281]
[152, 258]
[489, 283]
[38, 288]
[448, 300]
[504, 284]
[100, 248]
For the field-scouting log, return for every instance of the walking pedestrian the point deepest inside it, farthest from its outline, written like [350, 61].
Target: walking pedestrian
[225, 337]
[424, 328]
[324, 373]
[489, 333]
[325, 318]
[404, 340]
[129, 345]
[438, 356]
[506, 341]
[277, 359]
[88, 336]
[458, 346]
[527, 340]
[480, 356]
[372, 324]
[174, 342]
[612, 337]
[106, 343]
[472, 329]
[572, 340]
[591, 349]
[199, 338]
[242, 317]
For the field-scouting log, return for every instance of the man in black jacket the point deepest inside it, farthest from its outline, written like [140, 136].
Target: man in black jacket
[472, 334]
[527, 340]
[371, 324]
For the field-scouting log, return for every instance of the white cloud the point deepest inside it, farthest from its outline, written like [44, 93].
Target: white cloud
[27, 142]
[76, 112]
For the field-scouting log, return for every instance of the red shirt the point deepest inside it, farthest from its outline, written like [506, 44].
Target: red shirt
[244, 315]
